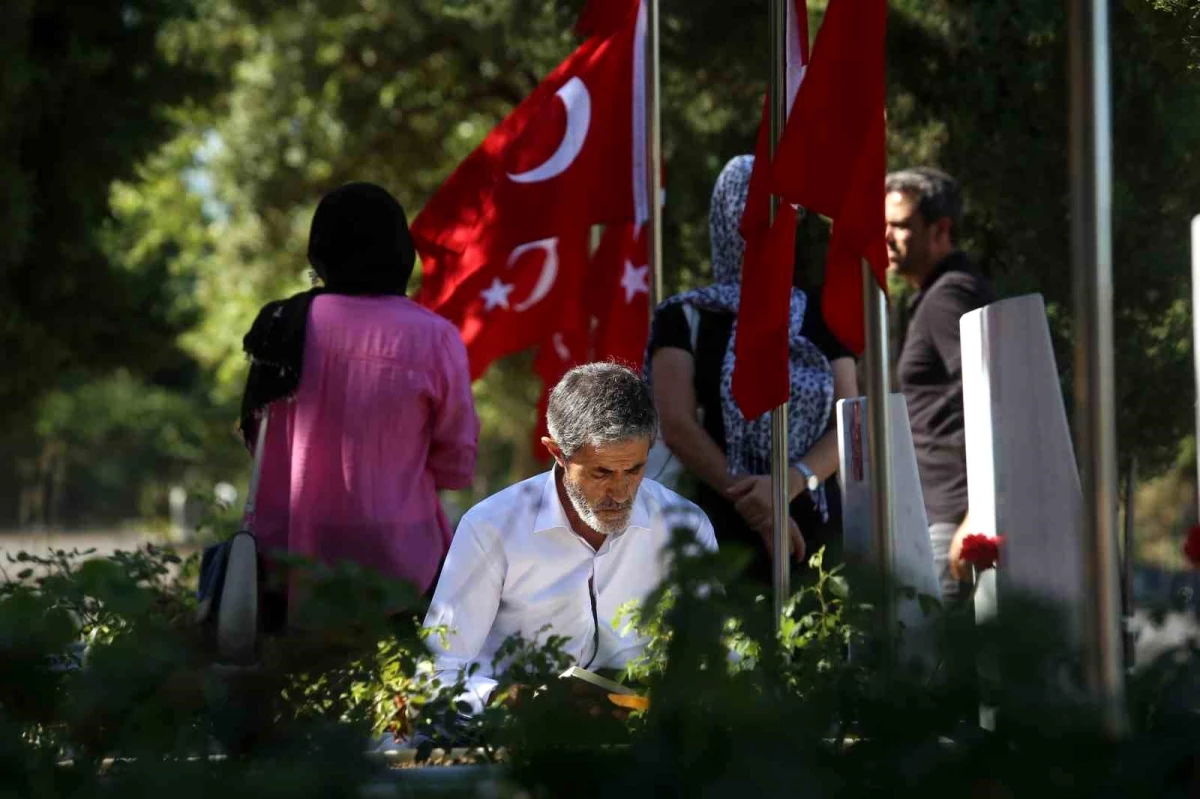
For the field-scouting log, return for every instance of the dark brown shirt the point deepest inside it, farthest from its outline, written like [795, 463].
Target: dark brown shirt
[930, 374]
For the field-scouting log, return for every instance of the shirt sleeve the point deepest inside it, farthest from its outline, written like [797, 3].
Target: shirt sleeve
[689, 516]
[670, 329]
[946, 307]
[706, 536]
[464, 604]
[456, 426]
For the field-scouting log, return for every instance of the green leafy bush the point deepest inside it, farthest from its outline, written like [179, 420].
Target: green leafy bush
[106, 688]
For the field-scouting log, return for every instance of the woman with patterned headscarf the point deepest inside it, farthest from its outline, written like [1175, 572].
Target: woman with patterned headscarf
[369, 399]
[690, 365]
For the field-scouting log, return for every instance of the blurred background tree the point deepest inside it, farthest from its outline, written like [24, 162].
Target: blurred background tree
[174, 193]
[88, 95]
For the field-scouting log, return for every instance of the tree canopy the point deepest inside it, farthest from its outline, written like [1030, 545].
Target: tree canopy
[164, 156]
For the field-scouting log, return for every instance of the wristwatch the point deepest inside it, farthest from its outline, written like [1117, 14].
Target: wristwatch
[811, 482]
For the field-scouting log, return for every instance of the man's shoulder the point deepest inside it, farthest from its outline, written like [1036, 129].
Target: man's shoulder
[955, 292]
[674, 509]
[501, 510]
[962, 277]
[968, 277]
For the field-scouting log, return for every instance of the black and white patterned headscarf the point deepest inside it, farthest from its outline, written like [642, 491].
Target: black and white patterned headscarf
[748, 443]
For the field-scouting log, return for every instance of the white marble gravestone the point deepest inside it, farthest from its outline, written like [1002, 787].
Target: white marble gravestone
[912, 554]
[1021, 469]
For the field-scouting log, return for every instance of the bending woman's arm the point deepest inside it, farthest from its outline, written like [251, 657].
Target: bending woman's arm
[672, 371]
[822, 457]
[752, 494]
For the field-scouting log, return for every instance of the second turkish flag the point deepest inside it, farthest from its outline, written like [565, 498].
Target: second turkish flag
[571, 155]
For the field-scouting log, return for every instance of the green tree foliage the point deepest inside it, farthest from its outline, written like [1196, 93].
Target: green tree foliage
[85, 95]
[202, 230]
[102, 659]
[89, 282]
[981, 89]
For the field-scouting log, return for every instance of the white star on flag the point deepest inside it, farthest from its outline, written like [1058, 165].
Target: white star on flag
[636, 280]
[496, 295]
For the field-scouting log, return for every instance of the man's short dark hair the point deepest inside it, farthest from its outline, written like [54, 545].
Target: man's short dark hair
[598, 404]
[937, 194]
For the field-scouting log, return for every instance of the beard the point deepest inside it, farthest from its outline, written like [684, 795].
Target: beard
[614, 524]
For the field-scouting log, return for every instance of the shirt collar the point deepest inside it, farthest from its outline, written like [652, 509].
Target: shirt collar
[955, 261]
[552, 516]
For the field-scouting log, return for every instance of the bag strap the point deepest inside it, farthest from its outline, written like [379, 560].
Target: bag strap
[692, 314]
[260, 446]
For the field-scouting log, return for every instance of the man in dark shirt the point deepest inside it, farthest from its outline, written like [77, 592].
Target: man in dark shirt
[923, 207]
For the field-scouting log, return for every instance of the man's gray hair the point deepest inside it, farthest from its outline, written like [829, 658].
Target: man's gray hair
[598, 404]
[937, 194]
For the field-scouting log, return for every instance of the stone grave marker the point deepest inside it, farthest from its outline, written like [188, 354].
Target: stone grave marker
[912, 554]
[1021, 470]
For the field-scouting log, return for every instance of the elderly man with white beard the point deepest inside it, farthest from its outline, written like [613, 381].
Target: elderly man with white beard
[559, 553]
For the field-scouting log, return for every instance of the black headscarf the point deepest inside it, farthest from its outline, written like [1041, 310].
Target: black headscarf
[358, 244]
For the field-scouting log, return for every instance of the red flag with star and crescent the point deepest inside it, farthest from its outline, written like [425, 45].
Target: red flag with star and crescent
[503, 242]
[608, 319]
[761, 378]
[620, 302]
[832, 157]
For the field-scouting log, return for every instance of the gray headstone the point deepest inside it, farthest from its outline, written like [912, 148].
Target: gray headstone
[1021, 469]
[912, 554]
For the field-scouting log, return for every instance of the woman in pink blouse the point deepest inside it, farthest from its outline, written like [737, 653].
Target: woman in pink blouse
[369, 400]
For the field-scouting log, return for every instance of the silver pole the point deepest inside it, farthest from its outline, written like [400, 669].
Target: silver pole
[879, 438]
[1196, 333]
[1095, 429]
[1127, 555]
[654, 150]
[249, 510]
[779, 417]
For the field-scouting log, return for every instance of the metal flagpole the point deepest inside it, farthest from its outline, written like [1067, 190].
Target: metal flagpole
[879, 439]
[1095, 428]
[1127, 553]
[1196, 332]
[779, 417]
[654, 150]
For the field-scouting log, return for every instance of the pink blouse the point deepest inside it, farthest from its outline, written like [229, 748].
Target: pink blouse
[383, 419]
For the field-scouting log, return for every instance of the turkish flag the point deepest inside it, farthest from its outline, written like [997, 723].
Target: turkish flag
[566, 348]
[620, 301]
[570, 155]
[602, 17]
[517, 306]
[608, 319]
[832, 158]
[761, 379]
[568, 345]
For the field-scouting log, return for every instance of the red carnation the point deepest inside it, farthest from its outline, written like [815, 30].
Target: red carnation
[981, 551]
[1191, 547]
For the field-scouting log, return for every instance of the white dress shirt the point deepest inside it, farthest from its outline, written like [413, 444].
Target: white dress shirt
[516, 566]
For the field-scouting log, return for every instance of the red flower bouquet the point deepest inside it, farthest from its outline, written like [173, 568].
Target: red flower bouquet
[981, 551]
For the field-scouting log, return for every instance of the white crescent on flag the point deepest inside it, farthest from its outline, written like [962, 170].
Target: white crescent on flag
[546, 278]
[578, 102]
